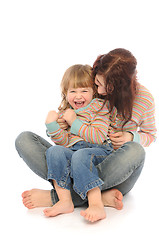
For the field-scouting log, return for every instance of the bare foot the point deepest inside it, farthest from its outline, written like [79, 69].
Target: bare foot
[37, 198]
[59, 208]
[94, 213]
[112, 198]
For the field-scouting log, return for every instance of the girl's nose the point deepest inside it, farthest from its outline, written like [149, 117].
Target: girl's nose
[78, 95]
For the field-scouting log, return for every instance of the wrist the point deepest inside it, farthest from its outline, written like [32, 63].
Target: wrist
[71, 121]
[76, 125]
[52, 127]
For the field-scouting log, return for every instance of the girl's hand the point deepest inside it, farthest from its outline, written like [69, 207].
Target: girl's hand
[119, 138]
[69, 116]
[63, 124]
[51, 117]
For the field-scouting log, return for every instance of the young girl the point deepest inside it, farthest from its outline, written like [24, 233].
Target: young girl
[82, 146]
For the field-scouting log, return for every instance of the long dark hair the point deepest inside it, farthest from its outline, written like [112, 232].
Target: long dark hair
[118, 67]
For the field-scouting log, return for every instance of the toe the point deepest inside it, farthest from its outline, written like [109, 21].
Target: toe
[118, 204]
[87, 217]
[25, 194]
[83, 213]
[118, 195]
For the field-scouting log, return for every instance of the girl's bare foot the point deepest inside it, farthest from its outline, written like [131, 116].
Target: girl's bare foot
[94, 213]
[59, 208]
[37, 198]
[112, 198]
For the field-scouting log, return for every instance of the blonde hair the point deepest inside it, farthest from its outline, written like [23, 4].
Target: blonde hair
[76, 76]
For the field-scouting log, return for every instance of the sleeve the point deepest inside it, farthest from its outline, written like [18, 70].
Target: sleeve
[57, 134]
[147, 129]
[94, 132]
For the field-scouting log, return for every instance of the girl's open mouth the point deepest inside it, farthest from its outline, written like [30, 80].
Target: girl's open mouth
[79, 104]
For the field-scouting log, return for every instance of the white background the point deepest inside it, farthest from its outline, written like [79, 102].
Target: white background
[39, 40]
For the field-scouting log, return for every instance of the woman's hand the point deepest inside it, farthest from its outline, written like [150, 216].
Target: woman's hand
[69, 116]
[51, 117]
[119, 138]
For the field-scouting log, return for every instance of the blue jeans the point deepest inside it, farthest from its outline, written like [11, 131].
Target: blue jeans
[119, 170]
[78, 163]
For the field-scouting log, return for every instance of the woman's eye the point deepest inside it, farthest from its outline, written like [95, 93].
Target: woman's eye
[98, 82]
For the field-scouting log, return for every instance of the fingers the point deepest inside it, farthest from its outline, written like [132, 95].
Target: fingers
[63, 124]
[116, 135]
[61, 120]
[117, 139]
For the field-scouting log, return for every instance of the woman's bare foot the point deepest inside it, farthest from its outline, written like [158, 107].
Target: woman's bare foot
[37, 198]
[60, 207]
[112, 198]
[94, 213]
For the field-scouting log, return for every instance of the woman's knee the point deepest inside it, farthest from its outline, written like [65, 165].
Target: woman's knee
[23, 139]
[135, 152]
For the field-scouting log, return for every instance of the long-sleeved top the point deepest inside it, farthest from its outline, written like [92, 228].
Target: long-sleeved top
[142, 124]
[91, 125]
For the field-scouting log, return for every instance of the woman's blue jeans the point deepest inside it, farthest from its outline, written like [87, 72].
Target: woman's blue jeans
[119, 170]
[77, 163]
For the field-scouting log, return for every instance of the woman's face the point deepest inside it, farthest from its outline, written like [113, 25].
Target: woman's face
[100, 82]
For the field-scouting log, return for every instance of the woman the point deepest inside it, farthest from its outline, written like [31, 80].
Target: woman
[132, 127]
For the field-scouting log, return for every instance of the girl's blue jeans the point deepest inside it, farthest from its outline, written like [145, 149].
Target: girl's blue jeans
[119, 170]
[77, 165]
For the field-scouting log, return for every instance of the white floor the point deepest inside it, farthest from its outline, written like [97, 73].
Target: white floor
[137, 219]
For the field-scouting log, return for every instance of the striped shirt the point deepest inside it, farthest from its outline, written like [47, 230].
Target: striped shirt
[91, 125]
[142, 124]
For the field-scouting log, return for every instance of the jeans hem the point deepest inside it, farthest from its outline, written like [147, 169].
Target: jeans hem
[54, 197]
[60, 183]
[83, 195]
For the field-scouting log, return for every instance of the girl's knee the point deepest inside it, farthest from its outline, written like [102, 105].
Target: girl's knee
[55, 155]
[80, 157]
[54, 150]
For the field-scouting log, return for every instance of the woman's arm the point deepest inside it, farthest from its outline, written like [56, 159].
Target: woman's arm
[147, 129]
[145, 135]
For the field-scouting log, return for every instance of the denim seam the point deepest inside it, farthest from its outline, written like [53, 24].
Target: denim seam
[91, 163]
